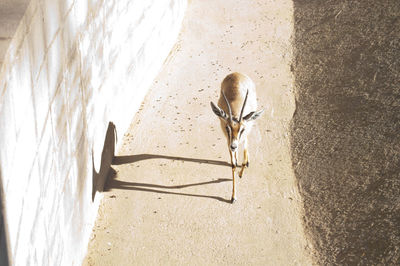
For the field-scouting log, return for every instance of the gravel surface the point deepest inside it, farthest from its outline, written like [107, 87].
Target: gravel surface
[345, 132]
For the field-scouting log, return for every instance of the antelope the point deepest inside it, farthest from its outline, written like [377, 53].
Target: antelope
[238, 97]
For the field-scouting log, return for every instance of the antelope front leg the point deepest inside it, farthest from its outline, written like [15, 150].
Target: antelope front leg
[245, 159]
[233, 164]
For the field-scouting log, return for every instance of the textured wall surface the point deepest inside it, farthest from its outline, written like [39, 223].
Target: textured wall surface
[74, 71]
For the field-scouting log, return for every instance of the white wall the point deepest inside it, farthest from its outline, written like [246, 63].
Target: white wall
[72, 67]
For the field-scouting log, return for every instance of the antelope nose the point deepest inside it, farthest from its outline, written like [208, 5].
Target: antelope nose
[233, 146]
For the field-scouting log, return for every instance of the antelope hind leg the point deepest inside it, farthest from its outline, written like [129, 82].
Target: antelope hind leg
[245, 159]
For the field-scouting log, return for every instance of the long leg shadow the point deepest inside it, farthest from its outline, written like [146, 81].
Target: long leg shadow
[124, 185]
[105, 180]
[118, 160]
[117, 184]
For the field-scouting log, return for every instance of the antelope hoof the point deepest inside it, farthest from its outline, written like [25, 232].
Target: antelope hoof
[233, 199]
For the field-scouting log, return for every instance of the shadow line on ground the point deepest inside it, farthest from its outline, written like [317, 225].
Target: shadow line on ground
[117, 184]
[118, 160]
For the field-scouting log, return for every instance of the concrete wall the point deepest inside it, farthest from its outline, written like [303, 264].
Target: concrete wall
[74, 71]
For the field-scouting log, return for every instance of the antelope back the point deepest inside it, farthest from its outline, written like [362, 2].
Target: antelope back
[235, 87]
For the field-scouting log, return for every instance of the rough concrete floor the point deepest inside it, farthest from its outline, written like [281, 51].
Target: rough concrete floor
[166, 201]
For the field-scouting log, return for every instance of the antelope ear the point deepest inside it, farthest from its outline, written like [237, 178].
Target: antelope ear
[253, 115]
[218, 111]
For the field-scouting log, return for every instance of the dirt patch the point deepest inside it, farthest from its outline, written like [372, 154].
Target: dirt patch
[345, 133]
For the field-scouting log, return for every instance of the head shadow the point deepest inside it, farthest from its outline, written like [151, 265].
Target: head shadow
[107, 155]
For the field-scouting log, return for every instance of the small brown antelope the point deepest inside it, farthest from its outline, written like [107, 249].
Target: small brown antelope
[238, 97]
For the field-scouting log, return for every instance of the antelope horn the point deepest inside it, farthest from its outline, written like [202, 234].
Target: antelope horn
[229, 106]
[244, 105]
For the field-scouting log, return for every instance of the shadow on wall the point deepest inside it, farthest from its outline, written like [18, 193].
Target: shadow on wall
[345, 132]
[4, 248]
[107, 155]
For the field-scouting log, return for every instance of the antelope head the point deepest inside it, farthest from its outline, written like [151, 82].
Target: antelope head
[235, 128]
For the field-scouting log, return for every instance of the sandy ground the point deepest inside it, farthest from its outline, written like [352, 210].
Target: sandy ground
[166, 201]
